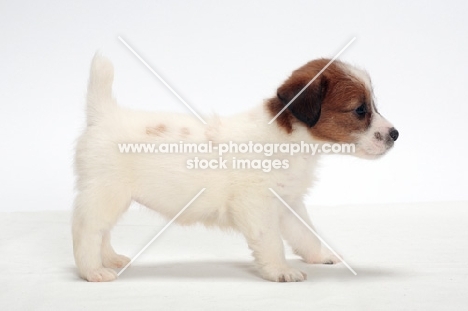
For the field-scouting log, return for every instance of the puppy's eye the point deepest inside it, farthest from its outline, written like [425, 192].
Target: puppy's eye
[361, 110]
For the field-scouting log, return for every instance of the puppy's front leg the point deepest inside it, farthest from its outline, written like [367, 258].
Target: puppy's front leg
[303, 242]
[261, 230]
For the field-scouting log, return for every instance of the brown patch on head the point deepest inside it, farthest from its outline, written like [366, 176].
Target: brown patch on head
[156, 130]
[184, 132]
[285, 119]
[328, 105]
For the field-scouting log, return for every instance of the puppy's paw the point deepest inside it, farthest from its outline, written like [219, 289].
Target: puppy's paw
[325, 257]
[101, 275]
[330, 259]
[115, 261]
[283, 274]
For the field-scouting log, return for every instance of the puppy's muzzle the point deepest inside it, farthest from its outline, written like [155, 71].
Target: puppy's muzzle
[388, 138]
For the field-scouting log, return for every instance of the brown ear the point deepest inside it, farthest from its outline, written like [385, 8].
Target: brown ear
[308, 105]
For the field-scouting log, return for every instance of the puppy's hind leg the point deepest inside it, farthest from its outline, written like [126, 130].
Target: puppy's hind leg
[96, 212]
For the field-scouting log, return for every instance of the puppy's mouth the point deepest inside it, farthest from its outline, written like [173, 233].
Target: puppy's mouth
[367, 153]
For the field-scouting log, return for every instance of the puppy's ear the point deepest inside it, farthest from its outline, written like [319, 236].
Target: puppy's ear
[308, 105]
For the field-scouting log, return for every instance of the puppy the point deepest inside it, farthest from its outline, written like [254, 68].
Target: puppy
[338, 107]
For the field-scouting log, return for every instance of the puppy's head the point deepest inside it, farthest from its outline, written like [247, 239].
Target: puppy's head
[338, 106]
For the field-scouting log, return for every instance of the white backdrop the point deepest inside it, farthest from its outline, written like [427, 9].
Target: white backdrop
[226, 58]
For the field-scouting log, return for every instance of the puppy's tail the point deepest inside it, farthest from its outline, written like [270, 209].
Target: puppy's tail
[99, 99]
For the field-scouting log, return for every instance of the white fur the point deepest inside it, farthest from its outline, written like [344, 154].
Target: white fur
[358, 73]
[108, 181]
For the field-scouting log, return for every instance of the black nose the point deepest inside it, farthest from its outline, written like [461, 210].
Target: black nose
[394, 133]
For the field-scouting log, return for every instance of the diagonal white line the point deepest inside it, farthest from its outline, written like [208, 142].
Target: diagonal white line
[161, 79]
[160, 232]
[313, 231]
[313, 79]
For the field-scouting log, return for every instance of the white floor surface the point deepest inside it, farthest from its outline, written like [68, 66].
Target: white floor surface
[407, 257]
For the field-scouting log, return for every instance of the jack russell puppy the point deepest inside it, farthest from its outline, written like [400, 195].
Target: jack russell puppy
[337, 107]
